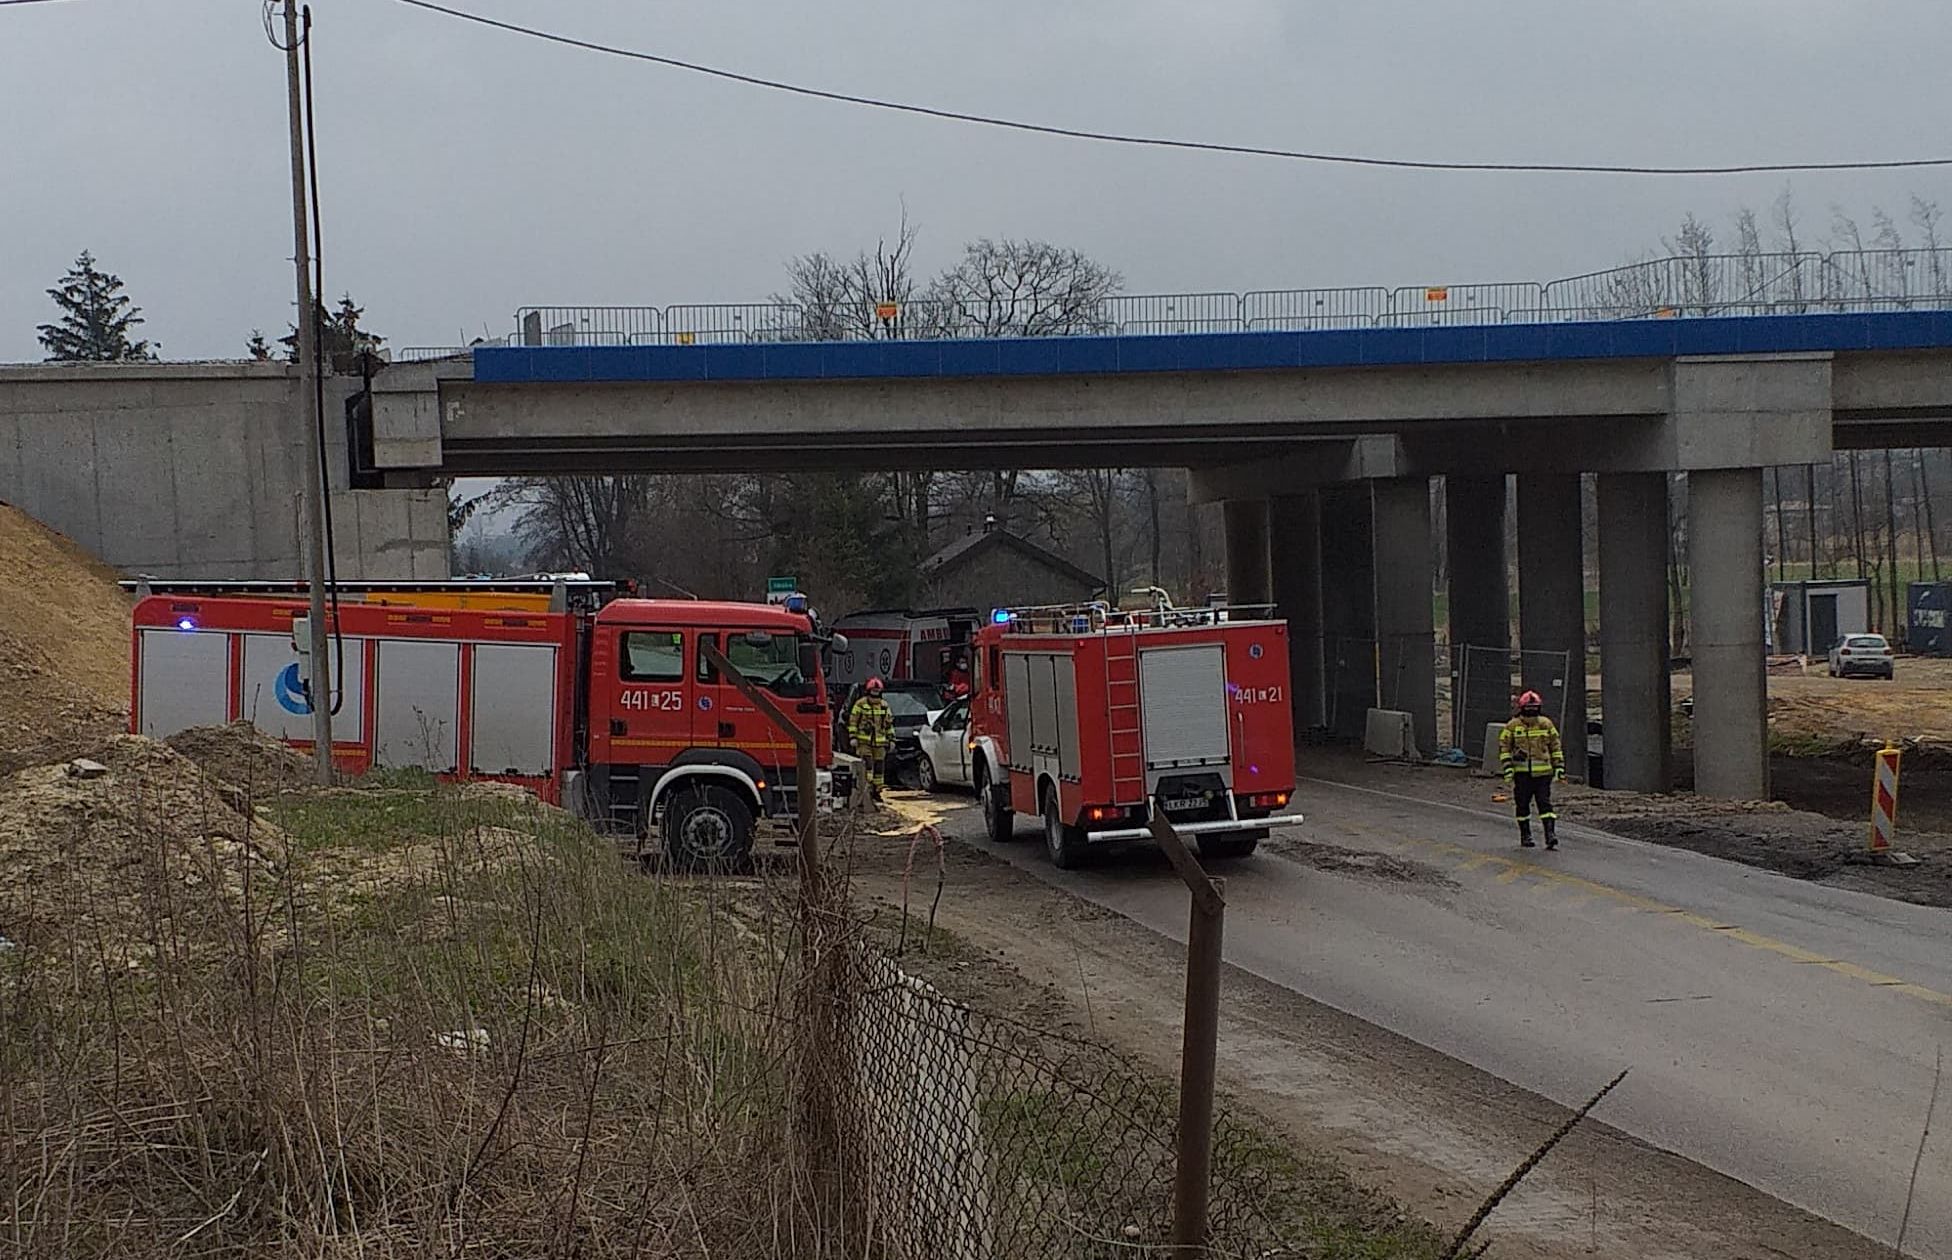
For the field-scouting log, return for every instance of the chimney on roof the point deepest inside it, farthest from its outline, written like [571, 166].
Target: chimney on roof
[989, 523]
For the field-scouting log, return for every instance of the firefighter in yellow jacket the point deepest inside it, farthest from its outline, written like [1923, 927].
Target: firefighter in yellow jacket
[1530, 750]
[871, 730]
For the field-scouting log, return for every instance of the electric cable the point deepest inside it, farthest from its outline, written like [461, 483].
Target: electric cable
[1162, 142]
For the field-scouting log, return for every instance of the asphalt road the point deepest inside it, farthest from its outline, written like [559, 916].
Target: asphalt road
[1780, 1032]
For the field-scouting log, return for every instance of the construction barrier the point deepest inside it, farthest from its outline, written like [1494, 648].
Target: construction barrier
[1884, 800]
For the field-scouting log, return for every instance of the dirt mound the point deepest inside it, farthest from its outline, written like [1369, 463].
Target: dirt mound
[120, 853]
[245, 758]
[64, 645]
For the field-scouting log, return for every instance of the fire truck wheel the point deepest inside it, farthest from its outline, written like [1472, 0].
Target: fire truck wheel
[1064, 842]
[708, 825]
[998, 820]
[1223, 847]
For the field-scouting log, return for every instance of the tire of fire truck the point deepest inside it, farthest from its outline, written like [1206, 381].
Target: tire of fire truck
[1221, 848]
[1064, 842]
[707, 825]
[998, 819]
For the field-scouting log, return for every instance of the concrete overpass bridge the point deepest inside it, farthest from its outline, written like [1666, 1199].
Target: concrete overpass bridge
[1321, 445]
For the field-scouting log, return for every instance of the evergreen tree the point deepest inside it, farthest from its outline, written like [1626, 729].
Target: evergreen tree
[257, 346]
[340, 334]
[96, 318]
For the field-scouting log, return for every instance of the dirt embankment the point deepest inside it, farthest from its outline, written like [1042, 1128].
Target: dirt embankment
[64, 646]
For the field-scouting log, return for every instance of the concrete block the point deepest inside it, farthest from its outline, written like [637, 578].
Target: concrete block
[1390, 733]
[1491, 763]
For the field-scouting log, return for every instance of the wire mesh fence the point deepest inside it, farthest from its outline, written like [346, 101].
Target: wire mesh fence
[1486, 681]
[972, 1136]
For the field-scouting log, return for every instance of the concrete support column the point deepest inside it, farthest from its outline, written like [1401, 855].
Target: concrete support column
[1295, 553]
[1247, 570]
[1480, 588]
[1731, 747]
[1406, 637]
[1634, 649]
[1552, 600]
[1348, 607]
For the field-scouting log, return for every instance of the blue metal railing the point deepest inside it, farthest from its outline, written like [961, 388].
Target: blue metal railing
[1655, 288]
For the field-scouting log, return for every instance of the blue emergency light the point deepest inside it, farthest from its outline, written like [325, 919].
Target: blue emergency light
[796, 603]
[1001, 616]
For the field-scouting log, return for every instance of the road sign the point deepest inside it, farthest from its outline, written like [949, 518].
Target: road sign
[1884, 801]
[778, 589]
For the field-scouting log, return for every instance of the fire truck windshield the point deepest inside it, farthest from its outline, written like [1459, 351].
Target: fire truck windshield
[776, 662]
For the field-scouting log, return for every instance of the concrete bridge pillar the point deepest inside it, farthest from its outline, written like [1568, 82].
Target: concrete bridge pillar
[1245, 522]
[1480, 585]
[1348, 607]
[1406, 639]
[1731, 754]
[1634, 649]
[1295, 552]
[1552, 600]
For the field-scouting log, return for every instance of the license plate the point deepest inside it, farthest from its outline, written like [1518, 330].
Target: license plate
[1185, 803]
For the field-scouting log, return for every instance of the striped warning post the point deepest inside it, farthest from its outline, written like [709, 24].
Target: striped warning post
[1884, 800]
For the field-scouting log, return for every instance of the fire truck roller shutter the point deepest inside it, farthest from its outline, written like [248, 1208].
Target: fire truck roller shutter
[1016, 685]
[514, 707]
[1184, 691]
[184, 681]
[274, 703]
[419, 692]
[1065, 677]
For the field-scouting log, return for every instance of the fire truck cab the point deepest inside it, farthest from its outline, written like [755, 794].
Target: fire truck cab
[1094, 719]
[672, 743]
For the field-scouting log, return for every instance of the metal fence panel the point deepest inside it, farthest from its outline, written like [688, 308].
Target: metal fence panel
[737, 323]
[1302, 309]
[1172, 312]
[1437, 304]
[584, 325]
[1486, 685]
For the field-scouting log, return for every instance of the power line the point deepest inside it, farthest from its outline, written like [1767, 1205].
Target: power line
[1161, 142]
[7, 2]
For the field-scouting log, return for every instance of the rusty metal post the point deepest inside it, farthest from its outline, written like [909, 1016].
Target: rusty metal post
[1199, 1049]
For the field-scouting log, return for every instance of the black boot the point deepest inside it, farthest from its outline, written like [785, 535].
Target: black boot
[1524, 833]
[1551, 833]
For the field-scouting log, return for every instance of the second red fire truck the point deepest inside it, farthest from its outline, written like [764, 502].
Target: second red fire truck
[1093, 719]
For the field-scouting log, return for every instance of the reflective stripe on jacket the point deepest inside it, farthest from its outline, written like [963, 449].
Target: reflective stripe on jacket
[871, 723]
[1531, 746]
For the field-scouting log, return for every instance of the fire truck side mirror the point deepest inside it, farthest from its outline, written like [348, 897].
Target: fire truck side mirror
[838, 642]
[301, 644]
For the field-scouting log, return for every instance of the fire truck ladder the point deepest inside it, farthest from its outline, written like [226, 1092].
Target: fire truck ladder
[560, 593]
[1122, 717]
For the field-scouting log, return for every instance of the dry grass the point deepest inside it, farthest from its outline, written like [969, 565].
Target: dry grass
[457, 1028]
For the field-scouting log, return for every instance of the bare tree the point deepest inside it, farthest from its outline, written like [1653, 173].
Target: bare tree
[1022, 289]
[866, 299]
[581, 523]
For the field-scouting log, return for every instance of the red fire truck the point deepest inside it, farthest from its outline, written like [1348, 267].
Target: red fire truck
[1092, 719]
[604, 705]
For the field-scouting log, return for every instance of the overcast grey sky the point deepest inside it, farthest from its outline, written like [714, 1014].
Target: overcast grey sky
[468, 172]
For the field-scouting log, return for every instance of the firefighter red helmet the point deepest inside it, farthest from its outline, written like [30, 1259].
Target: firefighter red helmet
[873, 686]
[1530, 702]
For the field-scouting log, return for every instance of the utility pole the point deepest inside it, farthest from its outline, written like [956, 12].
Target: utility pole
[312, 500]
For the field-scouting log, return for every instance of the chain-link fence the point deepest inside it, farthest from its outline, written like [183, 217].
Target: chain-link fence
[1485, 680]
[966, 1135]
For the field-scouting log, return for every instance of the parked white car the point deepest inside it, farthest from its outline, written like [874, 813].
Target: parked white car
[1866, 654]
[945, 749]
